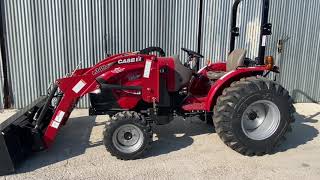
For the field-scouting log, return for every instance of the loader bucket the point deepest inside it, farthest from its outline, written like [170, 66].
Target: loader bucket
[17, 138]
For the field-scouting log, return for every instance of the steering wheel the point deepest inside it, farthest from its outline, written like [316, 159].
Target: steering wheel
[192, 54]
[148, 50]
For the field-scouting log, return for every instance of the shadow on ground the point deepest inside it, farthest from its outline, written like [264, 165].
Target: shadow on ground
[177, 135]
[301, 133]
[73, 140]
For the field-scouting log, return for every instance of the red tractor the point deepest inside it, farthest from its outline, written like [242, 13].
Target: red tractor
[250, 113]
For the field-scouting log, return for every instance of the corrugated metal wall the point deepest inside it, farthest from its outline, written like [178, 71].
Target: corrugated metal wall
[1, 83]
[134, 25]
[21, 49]
[297, 23]
[294, 21]
[47, 39]
[216, 18]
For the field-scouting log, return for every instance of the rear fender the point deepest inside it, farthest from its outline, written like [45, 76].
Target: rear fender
[219, 66]
[225, 81]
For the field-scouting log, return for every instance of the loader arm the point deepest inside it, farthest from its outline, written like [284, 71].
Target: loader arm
[84, 81]
[35, 127]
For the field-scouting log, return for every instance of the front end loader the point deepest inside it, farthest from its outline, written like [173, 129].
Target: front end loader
[139, 89]
[35, 127]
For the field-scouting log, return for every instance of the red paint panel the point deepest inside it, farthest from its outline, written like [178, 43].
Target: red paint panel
[227, 79]
[83, 81]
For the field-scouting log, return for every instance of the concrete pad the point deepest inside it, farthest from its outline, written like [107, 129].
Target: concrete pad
[181, 150]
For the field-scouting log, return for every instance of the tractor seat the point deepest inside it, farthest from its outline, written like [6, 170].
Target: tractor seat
[235, 59]
[182, 74]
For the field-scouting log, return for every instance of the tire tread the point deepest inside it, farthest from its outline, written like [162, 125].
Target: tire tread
[229, 98]
[113, 123]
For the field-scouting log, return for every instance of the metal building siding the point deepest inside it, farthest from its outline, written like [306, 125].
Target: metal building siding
[50, 42]
[294, 19]
[215, 25]
[300, 61]
[47, 39]
[216, 28]
[133, 25]
[249, 21]
[79, 37]
[21, 51]
[1, 83]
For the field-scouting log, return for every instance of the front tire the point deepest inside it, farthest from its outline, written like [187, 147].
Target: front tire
[253, 115]
[127, 135]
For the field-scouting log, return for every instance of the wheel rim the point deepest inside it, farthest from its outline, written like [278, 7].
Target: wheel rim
[128, 138]
[260, 120]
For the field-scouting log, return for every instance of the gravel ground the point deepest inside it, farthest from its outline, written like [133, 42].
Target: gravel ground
[181, 150]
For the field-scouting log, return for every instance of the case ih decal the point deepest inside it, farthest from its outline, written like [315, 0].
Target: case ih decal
[132, 60]
[118, 70]
[101, 68]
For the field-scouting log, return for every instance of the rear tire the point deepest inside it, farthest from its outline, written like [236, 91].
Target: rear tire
[127, 135]
[253, 115]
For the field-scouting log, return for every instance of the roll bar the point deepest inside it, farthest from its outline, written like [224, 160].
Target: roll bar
[234, 29]
[265, 29]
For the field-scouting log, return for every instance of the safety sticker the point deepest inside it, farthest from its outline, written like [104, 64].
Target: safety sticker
[147, 69]
[77, 88]
[264, 40]
[57, 119]
[55, 125]
[59, 116]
